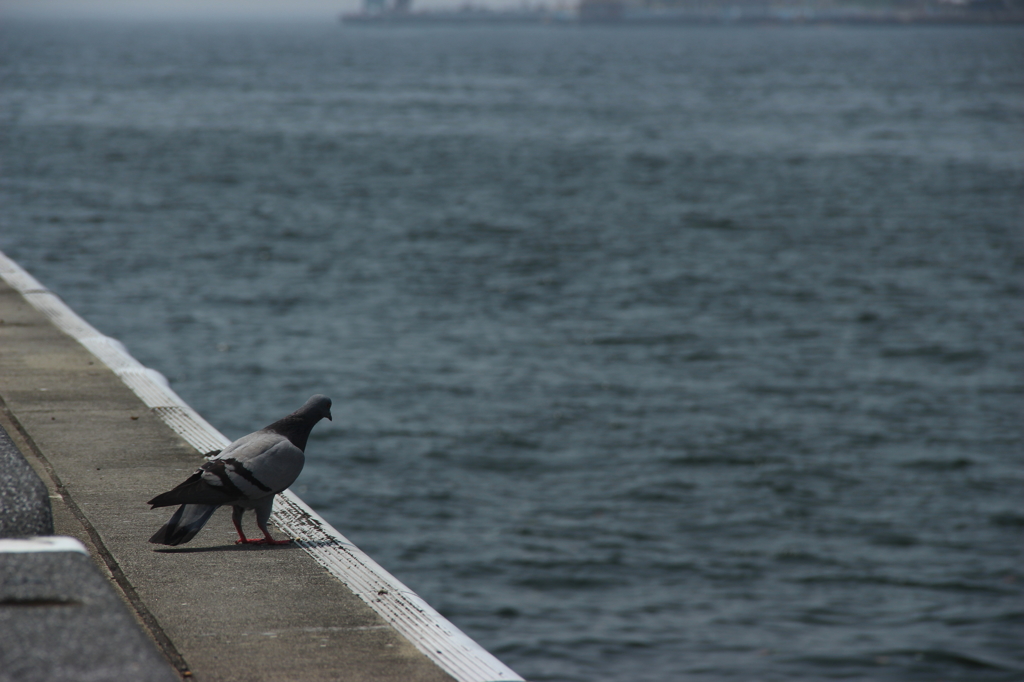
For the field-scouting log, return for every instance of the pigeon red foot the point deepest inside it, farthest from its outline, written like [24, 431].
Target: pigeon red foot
[263, 541]
[267, 539]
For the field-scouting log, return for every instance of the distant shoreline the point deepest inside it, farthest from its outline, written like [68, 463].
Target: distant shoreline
[780, 18]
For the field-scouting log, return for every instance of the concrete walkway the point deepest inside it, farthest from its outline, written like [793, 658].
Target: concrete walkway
[217, 611]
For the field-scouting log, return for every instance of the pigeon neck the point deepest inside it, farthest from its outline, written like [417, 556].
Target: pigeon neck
[294, 428]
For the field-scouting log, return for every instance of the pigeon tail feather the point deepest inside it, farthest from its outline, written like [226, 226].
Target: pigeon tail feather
[183, 526]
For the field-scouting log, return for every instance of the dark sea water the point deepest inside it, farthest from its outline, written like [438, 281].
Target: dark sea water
[689, 354]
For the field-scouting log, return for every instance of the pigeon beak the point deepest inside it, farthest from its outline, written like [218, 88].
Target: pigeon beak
[329, 417]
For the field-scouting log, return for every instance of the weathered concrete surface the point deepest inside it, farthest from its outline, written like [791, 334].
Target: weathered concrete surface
[217, 610]
[60, 619]
[62, 622]
[24, 499]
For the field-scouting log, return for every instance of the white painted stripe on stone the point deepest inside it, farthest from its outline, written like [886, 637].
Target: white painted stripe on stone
[185, 422]
[111, 351]
[443, 643]
[41, 543]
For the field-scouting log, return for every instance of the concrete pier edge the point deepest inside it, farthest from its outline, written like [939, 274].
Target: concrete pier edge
[432, 634]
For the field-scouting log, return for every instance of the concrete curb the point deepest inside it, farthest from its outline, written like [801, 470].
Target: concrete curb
[63, 622]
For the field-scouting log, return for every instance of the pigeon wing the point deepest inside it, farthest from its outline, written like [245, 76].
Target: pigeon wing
[197, 490]
[268, 470]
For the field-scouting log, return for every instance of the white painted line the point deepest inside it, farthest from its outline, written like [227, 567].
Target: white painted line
[443, 643]
[41, 543]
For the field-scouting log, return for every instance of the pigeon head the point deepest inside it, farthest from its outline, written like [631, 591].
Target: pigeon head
[296, 426]
[319, 406]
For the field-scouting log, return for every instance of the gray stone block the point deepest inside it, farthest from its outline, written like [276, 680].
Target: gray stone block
[24, 500]
[60, 620]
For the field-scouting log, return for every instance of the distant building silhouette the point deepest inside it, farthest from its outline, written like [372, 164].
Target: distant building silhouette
[376, 7]
[601, 10]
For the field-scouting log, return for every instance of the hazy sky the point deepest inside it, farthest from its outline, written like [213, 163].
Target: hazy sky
[326, 10]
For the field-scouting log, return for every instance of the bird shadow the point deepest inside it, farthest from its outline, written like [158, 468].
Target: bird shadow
[305, 544]
[223, 548]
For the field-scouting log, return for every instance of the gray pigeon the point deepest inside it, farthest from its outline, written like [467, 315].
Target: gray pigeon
[246, 474]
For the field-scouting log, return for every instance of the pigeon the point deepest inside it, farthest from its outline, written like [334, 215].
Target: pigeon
[246, 474]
